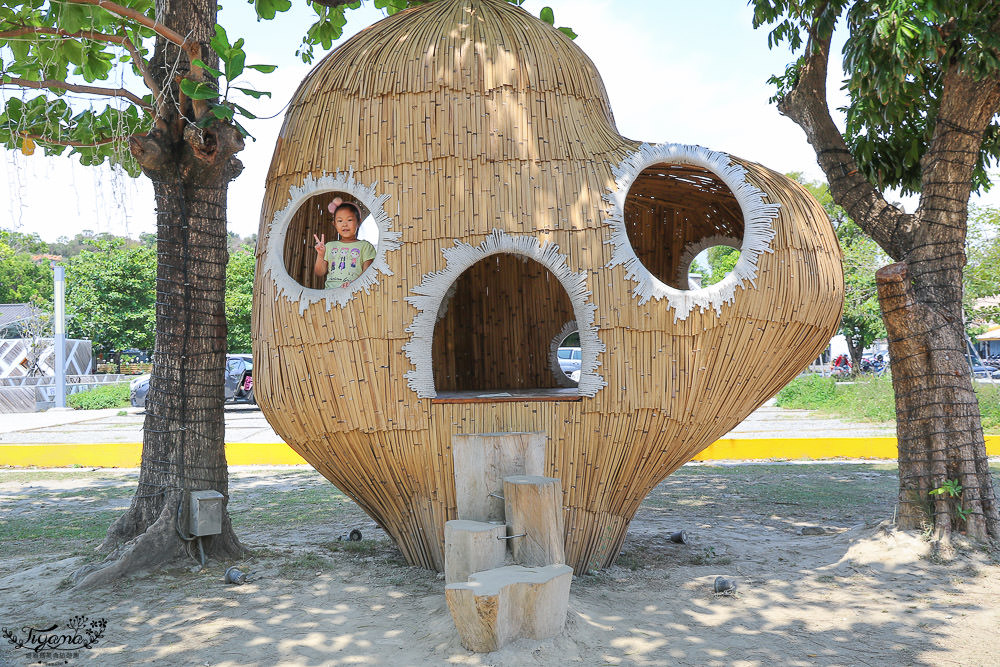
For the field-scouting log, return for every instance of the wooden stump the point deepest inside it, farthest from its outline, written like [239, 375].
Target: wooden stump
[482, 460]
[470, 547]
[501, 605]
[533, 506]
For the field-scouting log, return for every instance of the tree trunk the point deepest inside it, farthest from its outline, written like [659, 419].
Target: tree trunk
[937, 415]
[938, 425]
[854, 349]
[183, 440]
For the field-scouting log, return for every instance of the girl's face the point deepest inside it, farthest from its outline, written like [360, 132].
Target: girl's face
[346, 224]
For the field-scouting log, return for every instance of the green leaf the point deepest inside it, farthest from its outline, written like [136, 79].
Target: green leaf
[266, 9]
[266, 69]
[256, 94]
[211, 70]
[20, 49]
[568, 32]
[243, 130]
[234, 65]
[198, 90]
[72, 17]
[220, 42]
[222, 112]
[547, 15]
[244, 112]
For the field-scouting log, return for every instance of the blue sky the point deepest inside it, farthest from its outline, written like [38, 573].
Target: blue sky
[675, 72]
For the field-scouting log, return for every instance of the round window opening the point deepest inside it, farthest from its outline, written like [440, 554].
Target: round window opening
[566, 355]
[344, 258]
[711, 265]
[674, 212]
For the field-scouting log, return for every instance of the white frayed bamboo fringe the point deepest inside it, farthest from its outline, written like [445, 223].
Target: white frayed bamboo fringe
[758, 231]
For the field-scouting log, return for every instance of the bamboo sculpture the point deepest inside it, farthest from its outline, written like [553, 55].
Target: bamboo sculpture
[481, 142]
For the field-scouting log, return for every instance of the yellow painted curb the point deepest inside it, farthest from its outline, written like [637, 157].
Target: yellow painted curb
[128, 455]
[799, 448]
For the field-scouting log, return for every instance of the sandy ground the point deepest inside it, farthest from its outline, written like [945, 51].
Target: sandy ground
[857, 594]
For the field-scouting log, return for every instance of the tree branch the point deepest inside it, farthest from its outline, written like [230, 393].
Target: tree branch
[42, 30]
[121, 40]
[140, 18]
[806, 105]
[76, 88]
[141, 65]
[78, 144]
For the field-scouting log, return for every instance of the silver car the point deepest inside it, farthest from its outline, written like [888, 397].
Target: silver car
[238, 383]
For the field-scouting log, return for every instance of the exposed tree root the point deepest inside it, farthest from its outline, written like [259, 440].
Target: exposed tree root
[157, 545]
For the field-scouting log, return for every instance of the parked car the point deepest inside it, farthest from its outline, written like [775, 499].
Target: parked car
[569, 359]
[981, 371]
[238, 382]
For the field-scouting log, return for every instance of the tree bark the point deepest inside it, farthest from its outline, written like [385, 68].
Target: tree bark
[183, 441]
[938, 424]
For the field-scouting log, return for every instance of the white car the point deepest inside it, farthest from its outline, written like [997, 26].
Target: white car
[569, 359]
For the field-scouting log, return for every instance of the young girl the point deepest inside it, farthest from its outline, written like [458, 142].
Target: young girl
[344, 260]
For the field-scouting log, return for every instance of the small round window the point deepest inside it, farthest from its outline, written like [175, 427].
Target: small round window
[670, 204]
[565, 355]
[314, 220]
[712, 265]
[290, 255]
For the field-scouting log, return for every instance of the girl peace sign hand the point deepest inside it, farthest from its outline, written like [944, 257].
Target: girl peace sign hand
[320, 243]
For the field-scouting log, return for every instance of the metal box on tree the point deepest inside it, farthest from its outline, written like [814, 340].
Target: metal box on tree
[206, 512]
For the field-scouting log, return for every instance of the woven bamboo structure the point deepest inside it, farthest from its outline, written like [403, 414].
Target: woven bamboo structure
[509, 209]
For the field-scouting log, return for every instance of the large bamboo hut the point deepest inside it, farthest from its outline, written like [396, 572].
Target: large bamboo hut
[509, 212]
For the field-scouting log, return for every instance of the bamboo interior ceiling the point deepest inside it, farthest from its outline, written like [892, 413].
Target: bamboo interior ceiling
[669, 208]
[476, 121]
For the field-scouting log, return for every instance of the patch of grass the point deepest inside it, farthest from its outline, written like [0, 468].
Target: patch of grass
[807, 393]
[989, 407]
[40, 532]
[320, 504]
[866, 398]
[842, 489]
[363, 548]
[304, 566]
[42, 475]
[97, 492]
[707, 556]
[631, 560]
[870, 399]
[99, 398]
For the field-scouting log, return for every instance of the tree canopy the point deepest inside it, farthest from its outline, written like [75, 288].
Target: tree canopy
[895, 58]
[110, 294]
[861, 324]
[239, 297]
[982, 272]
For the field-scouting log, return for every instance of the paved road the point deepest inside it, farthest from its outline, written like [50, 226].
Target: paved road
[245, 423]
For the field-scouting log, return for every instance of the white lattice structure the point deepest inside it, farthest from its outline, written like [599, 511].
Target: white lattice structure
[32, 357]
